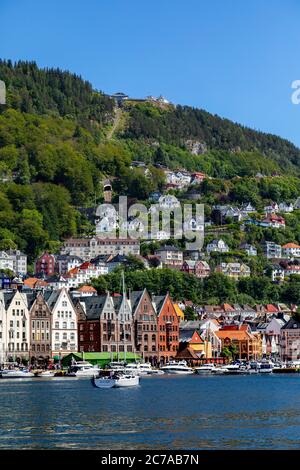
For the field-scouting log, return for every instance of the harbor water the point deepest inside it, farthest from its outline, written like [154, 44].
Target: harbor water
[164, 412]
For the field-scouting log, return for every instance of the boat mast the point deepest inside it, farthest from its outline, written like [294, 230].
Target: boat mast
[123, 311]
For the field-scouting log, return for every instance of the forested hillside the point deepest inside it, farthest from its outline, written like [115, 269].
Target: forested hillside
[58, 141]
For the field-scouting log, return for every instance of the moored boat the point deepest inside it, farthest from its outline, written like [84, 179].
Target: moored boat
[204, 369]
[84, 369]
[174, 367]
[118, 380]
[16, 374]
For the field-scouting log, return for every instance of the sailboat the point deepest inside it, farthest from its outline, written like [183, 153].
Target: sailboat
[118, 379]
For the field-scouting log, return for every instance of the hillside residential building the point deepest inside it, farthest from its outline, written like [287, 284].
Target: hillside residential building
[218, 246]
[292, 269]
[291, 250]
[234, 270]
[199, 268]
[277, 273]
[6, 261]
[45, 264]
[271, 250]
[249, 249]
[64, 323]
[19, 260]
[84, 273]
[273, 221]
[64, 263]
[170, 256]
[88, 248]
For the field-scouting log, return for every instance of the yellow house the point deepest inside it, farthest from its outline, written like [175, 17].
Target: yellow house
[192, 340]
[179, 312]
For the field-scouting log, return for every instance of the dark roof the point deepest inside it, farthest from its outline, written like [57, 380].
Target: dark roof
[186, 335]
[158, 301]
[8, 296]
[118, 259]
[135, 297]
[291, 324]
[93, 306]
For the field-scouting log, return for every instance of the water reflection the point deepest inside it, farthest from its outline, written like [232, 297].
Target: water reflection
[164, 412]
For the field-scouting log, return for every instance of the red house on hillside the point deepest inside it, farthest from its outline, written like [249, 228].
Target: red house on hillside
[45, 264]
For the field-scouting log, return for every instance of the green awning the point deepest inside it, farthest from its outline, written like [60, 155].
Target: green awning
[101, 358]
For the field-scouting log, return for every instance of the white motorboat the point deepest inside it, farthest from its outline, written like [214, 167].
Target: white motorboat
[16, 374]
[234, 369]
[84, 369]
[142, 368]
[44, 373]
[116, 381]
[103, 382]
[117, 367]
[127, 380]
[174, 367]
[204, 369]
[266, 367]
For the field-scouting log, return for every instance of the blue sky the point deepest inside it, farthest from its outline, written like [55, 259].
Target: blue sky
[235, 58]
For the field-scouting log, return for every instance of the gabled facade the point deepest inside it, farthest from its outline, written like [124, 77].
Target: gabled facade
[17, 326]
[199, 268]
[40, 330]
[125, 323]
[145, 325]
[168, 327]
[88, 314]
[3, 329]
[64, 323]
[109, 326]
[45, 264]
[218, 246]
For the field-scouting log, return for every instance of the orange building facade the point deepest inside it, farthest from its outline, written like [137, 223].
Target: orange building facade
[168, 327]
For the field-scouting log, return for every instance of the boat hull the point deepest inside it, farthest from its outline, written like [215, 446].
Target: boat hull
[125, 381]
[178, 372]
[103, 382]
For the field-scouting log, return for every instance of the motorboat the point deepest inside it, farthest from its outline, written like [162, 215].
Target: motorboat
[84, 369]
[234, 369]
[174, 367]
[118, 380]
[204, 369]
[16, 374]
[64, 373]
[127, 380]
[103, 382]
[117, 366]
[253, 367]
[289, 368]
[44, 373]
[266, 367]
[140, 368]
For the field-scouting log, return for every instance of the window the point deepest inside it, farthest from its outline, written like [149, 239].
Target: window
[56, 324]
